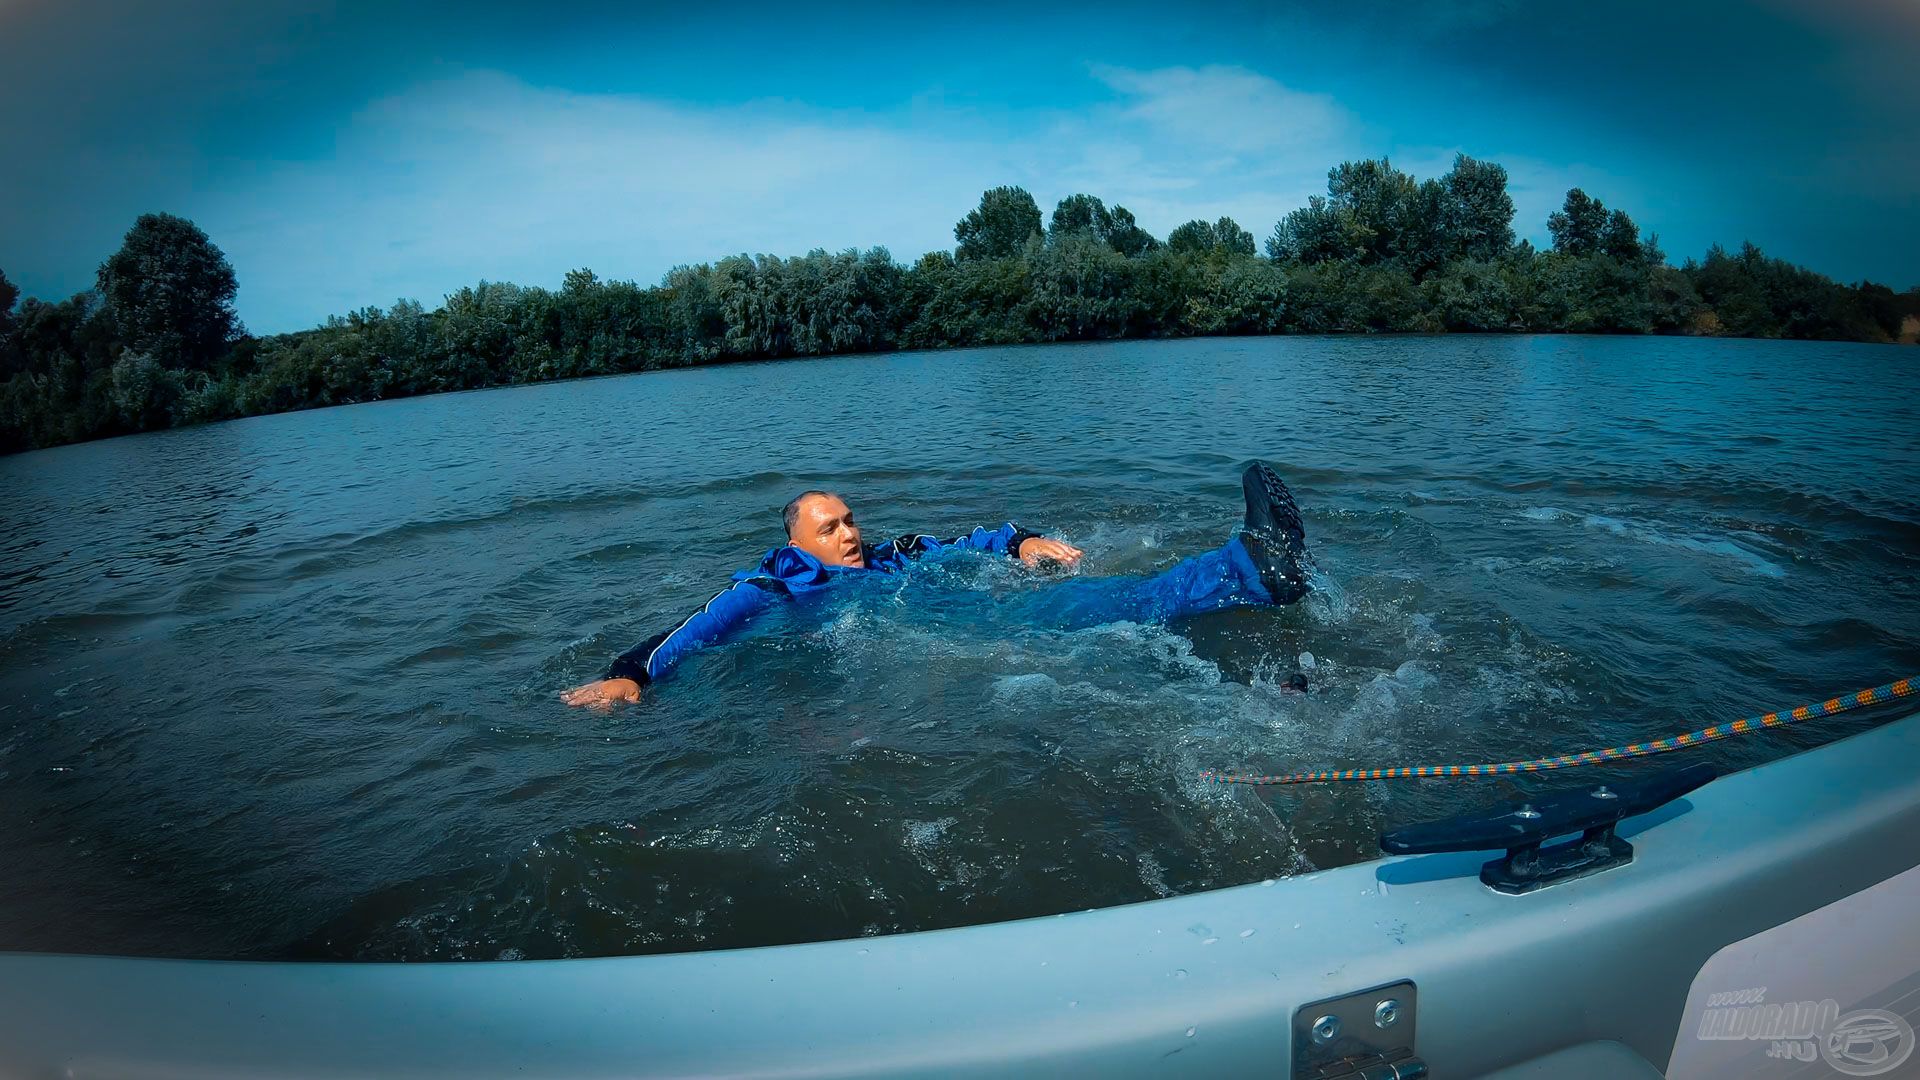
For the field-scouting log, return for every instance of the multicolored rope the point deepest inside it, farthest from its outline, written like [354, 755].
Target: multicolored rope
[1875, 696]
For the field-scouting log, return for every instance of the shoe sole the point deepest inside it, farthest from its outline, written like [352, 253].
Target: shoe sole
[1263, 487]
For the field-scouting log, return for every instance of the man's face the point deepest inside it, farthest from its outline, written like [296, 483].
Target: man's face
[824, 528]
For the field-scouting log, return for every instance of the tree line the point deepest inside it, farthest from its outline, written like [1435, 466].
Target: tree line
[156, 342]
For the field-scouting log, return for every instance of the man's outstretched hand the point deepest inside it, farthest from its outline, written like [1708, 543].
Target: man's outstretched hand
[602, 695]
[1036, 549]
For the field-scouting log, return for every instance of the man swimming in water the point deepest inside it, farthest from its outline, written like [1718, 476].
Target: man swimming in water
[1260, 565]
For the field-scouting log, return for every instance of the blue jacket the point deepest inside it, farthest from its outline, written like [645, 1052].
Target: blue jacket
[784, 572]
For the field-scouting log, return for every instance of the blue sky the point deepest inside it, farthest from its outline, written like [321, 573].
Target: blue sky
[348, 154]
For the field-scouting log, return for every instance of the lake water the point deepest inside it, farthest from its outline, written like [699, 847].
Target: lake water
[287, 686]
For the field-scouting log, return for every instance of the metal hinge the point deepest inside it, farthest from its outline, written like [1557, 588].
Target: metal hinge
[1364, 1036]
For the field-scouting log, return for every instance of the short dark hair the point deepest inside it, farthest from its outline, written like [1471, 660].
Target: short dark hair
[791, 513]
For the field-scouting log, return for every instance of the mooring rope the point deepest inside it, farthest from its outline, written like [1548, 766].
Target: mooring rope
[1874, 696]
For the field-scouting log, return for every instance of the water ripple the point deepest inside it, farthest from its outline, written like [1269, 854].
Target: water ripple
[284, 687]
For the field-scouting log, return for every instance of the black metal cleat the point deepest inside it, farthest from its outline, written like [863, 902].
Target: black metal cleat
[1523, 829]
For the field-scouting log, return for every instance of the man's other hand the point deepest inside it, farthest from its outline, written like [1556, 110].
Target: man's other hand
[1038, 548]
[602, 695]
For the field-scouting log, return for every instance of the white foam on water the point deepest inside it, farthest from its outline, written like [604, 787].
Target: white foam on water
[1009, 688]
[1159, 644]
[1109, 538]
[1723, 546]
[923, 834]
[1154, 875]
[1379, 704]
[1530, 683]
[1752, 561]
[1327, 601]
[1545, 564]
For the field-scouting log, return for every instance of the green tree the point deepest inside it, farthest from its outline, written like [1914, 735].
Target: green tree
[1127, 237]
[1192, 237]
[73, 330]
[1000, 227]
[1316, 233]
[1421, 240]
[1222, 293]
[1675, 305]
[1479, 212]
[977, 302]
[1080, 214]
[1579, 225]
[1225, 236]
[1081, 289]
[1372, 213]
[1474, 295]
[1378, 200]
[143, 391]
[1650, 252]
[1592, 294]
[9, 294]
[1086, 215]
[1730, 291]
[1621, 237]
[695, 323]
[1376, 215]
[10, 359]
[1345, 297]
[169, 293]
[1752, 295]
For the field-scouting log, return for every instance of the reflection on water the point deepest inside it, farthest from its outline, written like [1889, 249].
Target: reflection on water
[285, 686]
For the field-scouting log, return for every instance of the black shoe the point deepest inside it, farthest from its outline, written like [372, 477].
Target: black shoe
[1274, 535]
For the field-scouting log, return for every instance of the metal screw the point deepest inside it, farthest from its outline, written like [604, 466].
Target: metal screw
[1387, 1013]
[1326, 1029]
[1601, 792]
[1526, 811]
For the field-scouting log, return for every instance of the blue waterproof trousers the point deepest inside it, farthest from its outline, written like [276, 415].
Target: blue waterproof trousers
[1222, 578]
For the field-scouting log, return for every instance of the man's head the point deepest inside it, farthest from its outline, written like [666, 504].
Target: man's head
[820, 524]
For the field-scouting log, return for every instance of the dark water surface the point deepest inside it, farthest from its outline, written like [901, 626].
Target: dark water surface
[286, 686]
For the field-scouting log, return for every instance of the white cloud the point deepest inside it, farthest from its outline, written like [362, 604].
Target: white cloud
[1228, 109]
[1215, 141]
[483, 176]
